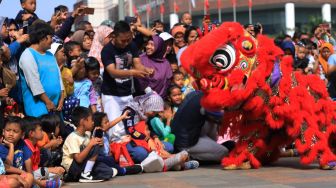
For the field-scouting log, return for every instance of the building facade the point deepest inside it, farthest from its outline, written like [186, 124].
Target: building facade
[276, 16]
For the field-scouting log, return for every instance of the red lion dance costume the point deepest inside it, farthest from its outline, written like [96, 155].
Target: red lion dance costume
[237, 73]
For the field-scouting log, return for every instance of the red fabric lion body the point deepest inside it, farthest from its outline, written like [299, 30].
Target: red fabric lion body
[237, 73]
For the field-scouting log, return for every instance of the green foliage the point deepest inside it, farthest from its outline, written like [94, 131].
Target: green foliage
[313, 21]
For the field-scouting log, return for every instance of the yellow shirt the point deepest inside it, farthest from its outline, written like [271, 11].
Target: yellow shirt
[66, 75]
[71, 146]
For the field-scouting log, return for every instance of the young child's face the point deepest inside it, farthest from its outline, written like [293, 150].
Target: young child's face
[178, 80]
[12, 30]
[37, 133]
[105, 123]
[60, 57]
[80, 74]
[88, 123]
[93, 75]
[87, 42]
[176, 96]
[12, 132]
[174, 67]
[75, 52]
[301, 52]
[159, 27]
[29, 5]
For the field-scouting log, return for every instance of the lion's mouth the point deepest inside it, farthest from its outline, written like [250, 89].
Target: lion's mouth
[239, 86]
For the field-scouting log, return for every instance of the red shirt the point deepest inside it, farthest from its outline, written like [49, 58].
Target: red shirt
[35, 158]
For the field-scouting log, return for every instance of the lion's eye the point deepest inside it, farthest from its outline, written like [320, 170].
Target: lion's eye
[224, 58]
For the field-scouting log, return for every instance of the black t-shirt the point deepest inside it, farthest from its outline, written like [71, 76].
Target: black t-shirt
[123, 60]
[188, 121]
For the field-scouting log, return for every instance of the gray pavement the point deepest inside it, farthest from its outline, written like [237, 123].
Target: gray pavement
[286, 173]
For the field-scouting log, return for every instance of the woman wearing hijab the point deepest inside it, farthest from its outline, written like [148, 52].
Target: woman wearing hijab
[99, 41]
[84, 39]
[326, 51]
[154, 58]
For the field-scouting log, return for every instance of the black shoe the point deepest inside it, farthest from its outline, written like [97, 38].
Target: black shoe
[135, 169]
[88, 178]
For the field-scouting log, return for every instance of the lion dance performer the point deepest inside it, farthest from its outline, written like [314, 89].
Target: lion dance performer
[267, 105]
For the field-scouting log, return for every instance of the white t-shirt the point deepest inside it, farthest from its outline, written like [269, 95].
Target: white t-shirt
[72, 145]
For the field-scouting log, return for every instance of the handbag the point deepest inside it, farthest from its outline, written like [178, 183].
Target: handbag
[8, 77]
[121, 154]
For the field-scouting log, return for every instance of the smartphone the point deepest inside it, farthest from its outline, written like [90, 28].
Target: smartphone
[1, 42]
[25, 27]
[88, 10]
[98, 133]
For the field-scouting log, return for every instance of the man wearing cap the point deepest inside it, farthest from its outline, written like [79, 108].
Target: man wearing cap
[196, 130]
[168, 42]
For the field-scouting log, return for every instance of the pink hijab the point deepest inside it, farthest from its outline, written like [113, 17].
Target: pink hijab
[97, 44]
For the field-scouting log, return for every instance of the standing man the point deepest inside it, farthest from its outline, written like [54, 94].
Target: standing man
[121, 63]
[42, 86]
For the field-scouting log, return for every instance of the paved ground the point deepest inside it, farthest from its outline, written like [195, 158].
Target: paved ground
[286, 173]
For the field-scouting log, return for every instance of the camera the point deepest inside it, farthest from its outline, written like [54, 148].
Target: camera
[98, 133]
[25, 27]
[1, 42]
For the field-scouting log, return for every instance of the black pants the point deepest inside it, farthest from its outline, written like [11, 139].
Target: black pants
[76, 169]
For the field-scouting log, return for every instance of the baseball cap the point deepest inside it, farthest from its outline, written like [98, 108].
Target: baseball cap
[166, 36]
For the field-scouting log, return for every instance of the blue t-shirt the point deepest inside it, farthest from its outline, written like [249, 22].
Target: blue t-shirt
[82, 92]
[332, 60]
[21, 154]
[2, 167]
[49, 77]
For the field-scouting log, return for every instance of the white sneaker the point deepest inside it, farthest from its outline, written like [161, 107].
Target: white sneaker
[115, 172]
[88, 178]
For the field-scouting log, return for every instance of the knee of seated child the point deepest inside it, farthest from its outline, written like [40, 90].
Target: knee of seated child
[11, 182]
[140, 155]
[168, 147]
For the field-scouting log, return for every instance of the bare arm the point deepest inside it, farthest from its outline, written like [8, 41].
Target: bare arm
[50, 105]
[80, 157]
[146, 32]
[29, 166]
[115, 73]
[117, 120]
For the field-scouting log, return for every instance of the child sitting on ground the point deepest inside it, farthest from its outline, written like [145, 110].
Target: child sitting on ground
[44, 177]
[101, 121]
[161, 124]
[51, 152]
[28, 12]
[14, 180]
[174, 97]
[80, 152]
[15, 152]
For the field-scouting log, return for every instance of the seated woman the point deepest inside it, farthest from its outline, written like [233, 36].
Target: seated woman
[141, 109]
